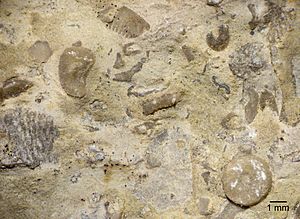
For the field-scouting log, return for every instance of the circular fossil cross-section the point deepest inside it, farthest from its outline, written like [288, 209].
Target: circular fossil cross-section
[247, 180]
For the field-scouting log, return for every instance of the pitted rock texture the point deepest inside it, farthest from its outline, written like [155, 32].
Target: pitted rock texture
[247, 180]
[29, 138]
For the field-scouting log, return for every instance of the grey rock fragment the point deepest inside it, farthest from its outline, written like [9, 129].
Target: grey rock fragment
[126, 76]
[130, 49]
[204, 206]
[229, 211]
[119, 63]
[297, 211]
[188, 52]
[252, 106]
[267, 99]
[255, 17]
[247, 60]
[30, 137]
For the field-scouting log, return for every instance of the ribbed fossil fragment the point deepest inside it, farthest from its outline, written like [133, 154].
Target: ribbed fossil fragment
[124, 21]
[13, 87]
[161, 102]
[247, 180]
[222, 41]
[74, 66]
[27, 138]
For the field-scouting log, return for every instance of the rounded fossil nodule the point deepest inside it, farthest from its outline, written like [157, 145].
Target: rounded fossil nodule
[222, 41]
[74, 66]
[247, 180]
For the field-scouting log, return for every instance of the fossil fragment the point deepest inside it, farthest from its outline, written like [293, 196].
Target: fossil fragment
[40, 51]
[107, 12]
[128, 23]
[144, 127]
[251, 106]
[119, 63]
[247, 60]
[222, 41]
[232, 122]
[125, 21]
[126, 76]
[247, 180]
[13, 87]
[268, 99]
[214, 2]
[74, 66]
[296, 73]
[130, 49]
[141, 91]
[221, 85]
[279, 19]
[230, 210]
[255, 17]
[161, 102]
[187, 51]
[205, 206]
[30, 136]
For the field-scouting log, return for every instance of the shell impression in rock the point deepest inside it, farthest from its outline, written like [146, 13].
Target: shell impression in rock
[221, 42]
[74, 66]
[126, 22]
[247, 180]
[26, 138]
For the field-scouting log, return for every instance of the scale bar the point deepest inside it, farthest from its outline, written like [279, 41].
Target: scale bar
[278, 201]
